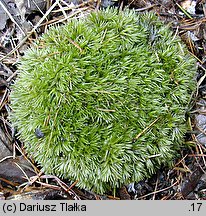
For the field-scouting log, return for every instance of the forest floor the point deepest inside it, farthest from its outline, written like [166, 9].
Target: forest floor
[21, 22]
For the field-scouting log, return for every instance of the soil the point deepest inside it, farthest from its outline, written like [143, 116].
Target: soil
[21, 178]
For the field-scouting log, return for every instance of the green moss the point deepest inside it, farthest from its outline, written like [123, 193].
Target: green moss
[102, 100]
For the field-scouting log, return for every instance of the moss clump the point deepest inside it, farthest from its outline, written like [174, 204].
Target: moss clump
[102, 100]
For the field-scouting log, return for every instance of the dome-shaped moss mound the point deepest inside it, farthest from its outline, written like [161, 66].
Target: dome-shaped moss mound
[102, 100]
